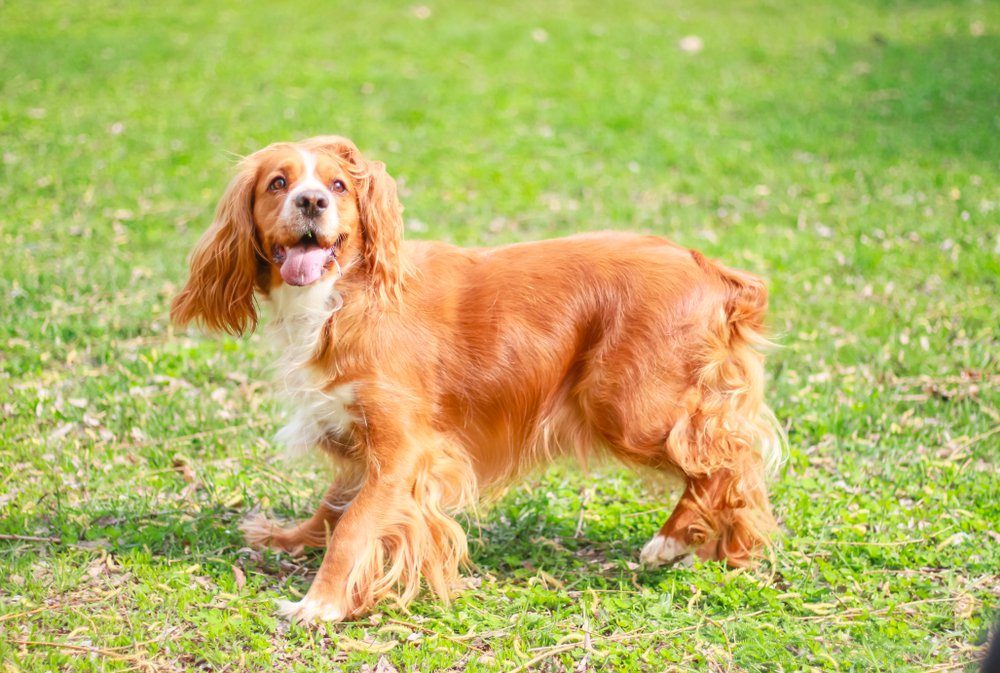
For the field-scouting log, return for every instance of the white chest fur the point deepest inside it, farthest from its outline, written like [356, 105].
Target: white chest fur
[314, 409]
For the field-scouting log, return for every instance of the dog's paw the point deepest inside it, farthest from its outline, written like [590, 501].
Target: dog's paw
[311, 610]
[665, 551]
[263, 533]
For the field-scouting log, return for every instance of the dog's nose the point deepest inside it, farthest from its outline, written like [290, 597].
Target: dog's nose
[312, 202]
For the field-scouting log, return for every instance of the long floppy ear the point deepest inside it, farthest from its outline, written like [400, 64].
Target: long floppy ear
[381, 217]
[382, 228]
[224, 265]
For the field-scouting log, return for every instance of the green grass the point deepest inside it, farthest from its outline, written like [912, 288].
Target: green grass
[847, 151]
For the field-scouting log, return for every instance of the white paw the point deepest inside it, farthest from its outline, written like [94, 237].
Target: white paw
[310, 610]
[664, 551]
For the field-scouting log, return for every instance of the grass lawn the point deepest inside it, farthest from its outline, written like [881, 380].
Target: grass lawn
[848, 151]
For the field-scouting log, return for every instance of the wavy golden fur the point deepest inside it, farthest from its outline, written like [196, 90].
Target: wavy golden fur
[432, 374]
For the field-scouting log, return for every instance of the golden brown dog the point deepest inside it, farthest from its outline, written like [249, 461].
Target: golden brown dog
[432, 374]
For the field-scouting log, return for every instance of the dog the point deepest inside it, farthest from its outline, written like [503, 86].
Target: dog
[433, 374]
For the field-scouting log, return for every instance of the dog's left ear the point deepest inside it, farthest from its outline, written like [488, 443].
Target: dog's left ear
[382, 227]
[381, 218]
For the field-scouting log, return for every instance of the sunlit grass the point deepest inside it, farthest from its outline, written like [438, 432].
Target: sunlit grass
[846, 151]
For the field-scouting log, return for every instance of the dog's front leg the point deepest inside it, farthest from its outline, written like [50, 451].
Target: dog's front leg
[398, 528]
[385, 534]
[355, 540]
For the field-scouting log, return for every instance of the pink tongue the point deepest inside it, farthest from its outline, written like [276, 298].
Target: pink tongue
[303, 265]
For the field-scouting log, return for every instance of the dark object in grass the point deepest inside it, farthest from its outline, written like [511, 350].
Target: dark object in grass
[991, 664]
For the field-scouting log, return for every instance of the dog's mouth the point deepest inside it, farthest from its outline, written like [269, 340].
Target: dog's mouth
[308, 260]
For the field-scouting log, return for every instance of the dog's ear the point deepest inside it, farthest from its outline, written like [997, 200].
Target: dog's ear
[381, 217]
[225, 265]
[382, 228]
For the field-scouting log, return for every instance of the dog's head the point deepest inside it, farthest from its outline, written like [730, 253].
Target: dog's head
[294, 213]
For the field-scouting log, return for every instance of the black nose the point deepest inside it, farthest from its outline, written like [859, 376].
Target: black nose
[312, 202]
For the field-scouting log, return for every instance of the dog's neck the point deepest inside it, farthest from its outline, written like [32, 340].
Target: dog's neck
[314, 409]
[297, 305]
[299, 314]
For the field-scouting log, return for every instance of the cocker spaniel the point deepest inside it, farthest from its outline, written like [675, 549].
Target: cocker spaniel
[432, 374]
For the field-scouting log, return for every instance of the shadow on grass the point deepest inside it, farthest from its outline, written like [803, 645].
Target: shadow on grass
[515, 549]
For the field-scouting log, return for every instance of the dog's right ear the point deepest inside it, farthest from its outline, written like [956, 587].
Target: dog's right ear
[224, 265]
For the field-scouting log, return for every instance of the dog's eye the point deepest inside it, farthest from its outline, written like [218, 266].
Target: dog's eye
[339, 186]
[276, 184]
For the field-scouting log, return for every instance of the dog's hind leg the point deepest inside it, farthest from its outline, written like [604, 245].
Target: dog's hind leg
[726, 441]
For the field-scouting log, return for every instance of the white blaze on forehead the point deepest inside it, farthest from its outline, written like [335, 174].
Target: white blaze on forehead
[309, 159]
